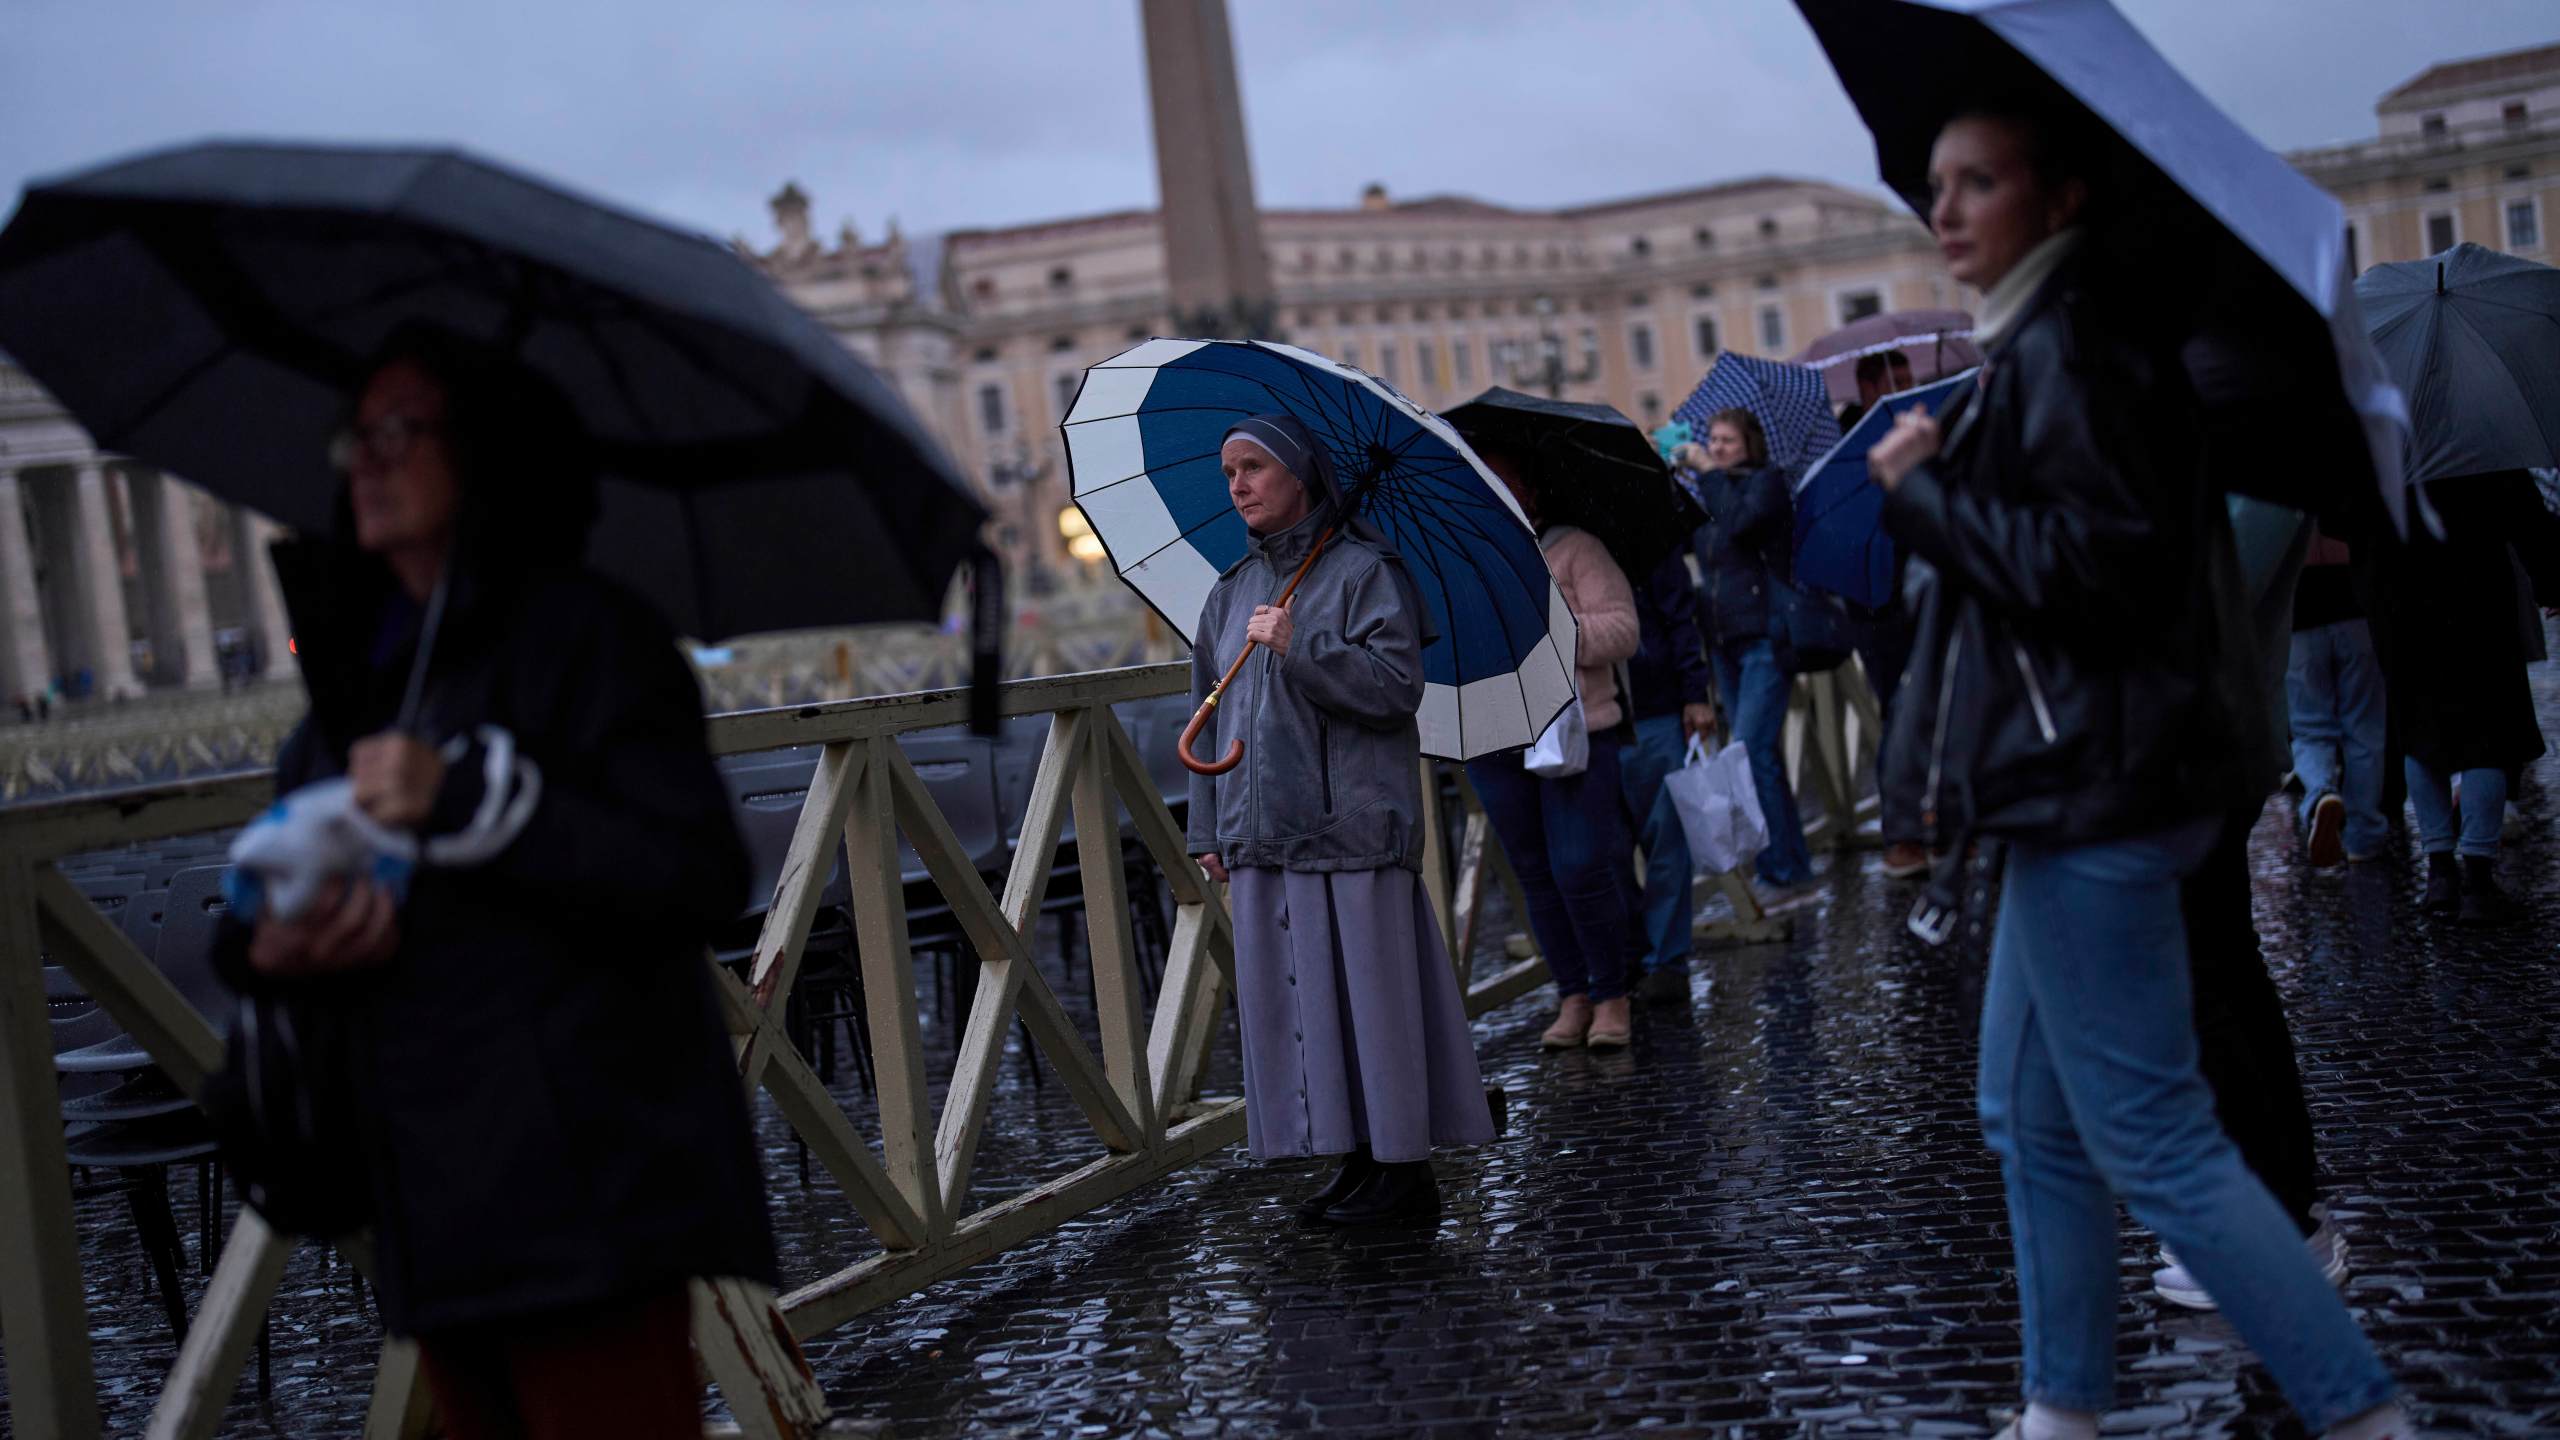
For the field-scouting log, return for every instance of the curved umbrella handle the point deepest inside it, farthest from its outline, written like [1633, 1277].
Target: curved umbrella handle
[1191, 732]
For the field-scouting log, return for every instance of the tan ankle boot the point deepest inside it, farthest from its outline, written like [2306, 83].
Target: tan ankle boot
[1573, 1022]
[1610, 1026]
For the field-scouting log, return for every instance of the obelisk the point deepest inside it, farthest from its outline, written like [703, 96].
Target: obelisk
[1219, 279]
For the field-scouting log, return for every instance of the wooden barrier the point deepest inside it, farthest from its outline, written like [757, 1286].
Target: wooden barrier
[1140, 1094]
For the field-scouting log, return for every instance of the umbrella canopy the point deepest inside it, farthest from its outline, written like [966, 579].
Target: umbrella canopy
[1793, 406]
[2473, 337]
[213, 310]
[1142, 443]
[1840, 541]
[1936, 344]
[1594, 468]
[2293, 395]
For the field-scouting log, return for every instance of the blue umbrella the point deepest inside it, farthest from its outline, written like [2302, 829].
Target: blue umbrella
[1840, 541]
[1142, 445]
[1791, 401]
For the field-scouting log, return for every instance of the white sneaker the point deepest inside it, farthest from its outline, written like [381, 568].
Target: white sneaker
[2328, 1249]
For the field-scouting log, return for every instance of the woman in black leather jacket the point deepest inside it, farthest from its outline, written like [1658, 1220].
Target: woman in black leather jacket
[2082, 687]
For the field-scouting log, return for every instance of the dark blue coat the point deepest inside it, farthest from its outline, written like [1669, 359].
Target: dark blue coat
[1670, 665]
[1743, 549]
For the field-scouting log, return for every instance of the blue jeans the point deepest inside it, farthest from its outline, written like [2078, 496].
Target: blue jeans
[2333, 691]
[2090, 1092]
[2484, 809]
[1567, 841]
[1664, 909]
[1754, 692]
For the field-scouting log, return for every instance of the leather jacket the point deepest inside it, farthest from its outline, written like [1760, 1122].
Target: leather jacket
[2083, 666]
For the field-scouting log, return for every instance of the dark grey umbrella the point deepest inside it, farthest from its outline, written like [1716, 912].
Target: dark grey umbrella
[2226, 234]
[1595, 469]
[212, 309]
[2472, 336]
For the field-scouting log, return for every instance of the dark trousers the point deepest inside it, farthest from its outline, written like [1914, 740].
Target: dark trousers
[2243, 1044]
[1567, 841]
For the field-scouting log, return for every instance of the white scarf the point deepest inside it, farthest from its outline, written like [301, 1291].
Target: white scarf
[2009, 295]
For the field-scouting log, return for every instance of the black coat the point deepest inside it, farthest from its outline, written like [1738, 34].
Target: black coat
[1669, 668]
[1745, 550]
[2082, 669]
[2445, 628]
[549, 1106]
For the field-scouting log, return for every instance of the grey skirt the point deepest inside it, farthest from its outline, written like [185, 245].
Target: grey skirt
[1354, 1028]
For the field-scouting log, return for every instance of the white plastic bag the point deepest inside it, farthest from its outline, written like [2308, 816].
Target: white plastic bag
[1566, 747]
[1719, 807]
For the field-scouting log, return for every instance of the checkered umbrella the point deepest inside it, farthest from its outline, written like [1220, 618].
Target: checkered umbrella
[1791, 402]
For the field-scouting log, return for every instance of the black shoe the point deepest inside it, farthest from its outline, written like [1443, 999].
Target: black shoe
[2444, 886]
[1666, 986]
[2484, 901]
[1355, 1171]
[1405, 1191]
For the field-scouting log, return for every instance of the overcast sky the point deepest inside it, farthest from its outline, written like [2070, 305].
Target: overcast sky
[980, 112]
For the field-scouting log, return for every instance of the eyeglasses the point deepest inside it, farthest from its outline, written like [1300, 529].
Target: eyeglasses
[385, 442]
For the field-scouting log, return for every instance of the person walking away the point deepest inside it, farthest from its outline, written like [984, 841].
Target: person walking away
[1353, 1025]
[547, 1105]
[2334, 700]
[2082, 644]
[1744, 552]
[2453, 664]
[2243, 1045]
[1670, 697]
[1566, 836]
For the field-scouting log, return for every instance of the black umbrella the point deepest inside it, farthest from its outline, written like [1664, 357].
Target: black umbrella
[212, 310]
[2472, 336]
[2236, 247]
[1594, 468]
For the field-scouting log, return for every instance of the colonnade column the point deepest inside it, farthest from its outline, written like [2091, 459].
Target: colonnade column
[26, 664]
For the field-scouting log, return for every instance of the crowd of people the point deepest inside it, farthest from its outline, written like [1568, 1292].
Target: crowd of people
[2093, 667]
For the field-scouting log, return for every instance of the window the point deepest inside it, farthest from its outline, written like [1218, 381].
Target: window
[2431, 125]
[2354, 265]
[1639, 300]
[1346, 259]
[1773, 329]
[982, 288]
[991, 409]
[1702, 291]
[1386, 261]
[2524, 226]
[1640, 247]
[1061, 277]
[1591, 350]
[2520, 171]
[2438, 184]
[1859, 304]
[2440, 233]
[986, 355]
[1426, 362]
[1061, 344]
[1651, 404]
[2515, 113]
[1707, 346]
[1706, 237]
[1387, 362]
[1136, 332]
[1306, 319]
[1066, 383]
[1306, 259]
[1640, 345]
[1767, 282]
[1768, 227]
[1462, 363]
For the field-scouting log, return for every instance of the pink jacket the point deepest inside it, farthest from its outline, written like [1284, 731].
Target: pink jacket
[1596, 591]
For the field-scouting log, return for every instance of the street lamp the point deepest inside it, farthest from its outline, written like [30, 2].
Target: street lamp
[1017, 475]
[1549, 374]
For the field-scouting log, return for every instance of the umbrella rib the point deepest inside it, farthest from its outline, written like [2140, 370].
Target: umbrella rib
[1149, 473]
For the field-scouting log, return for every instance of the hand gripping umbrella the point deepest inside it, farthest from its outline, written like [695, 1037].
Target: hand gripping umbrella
[2473, 337]
[1142, 442]
[2251, 251]
[1840, 541]
[213, 309]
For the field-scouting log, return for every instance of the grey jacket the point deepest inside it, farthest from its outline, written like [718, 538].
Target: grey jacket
[1330, 778]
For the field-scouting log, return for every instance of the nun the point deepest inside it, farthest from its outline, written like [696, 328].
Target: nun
[1354, 1028]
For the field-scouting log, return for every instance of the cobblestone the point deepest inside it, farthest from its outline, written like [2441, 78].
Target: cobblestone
[1772, 1216]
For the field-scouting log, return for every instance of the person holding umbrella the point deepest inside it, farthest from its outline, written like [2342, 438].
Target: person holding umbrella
[1743, 558]
[1354, 1030]
[2085, 670]
[546, 1100]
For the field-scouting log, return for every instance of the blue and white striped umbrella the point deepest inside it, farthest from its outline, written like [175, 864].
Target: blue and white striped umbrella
[1142, 443]
[1792, 402]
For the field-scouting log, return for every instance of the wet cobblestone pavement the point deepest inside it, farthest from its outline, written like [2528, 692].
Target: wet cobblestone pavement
[1773, 1215]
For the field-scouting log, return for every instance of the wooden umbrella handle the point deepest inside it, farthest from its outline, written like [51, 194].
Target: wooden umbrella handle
[1200, 717]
